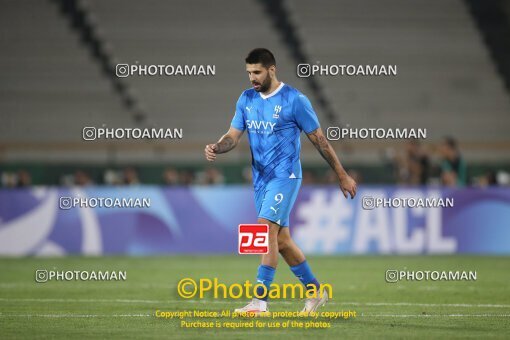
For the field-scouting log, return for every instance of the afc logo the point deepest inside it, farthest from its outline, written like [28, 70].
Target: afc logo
[253, 239]
[277, 110]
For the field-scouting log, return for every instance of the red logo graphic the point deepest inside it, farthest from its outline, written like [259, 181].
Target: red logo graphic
[253, 239]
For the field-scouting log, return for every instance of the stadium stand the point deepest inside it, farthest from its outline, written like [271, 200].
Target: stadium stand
[445, 77]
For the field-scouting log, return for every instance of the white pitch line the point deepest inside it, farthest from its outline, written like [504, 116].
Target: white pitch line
[128, 301]
[410, 304]
[437, 315]
[339, 303]
[75, 315]
[82, 300]
[151, 315]
[15, 285]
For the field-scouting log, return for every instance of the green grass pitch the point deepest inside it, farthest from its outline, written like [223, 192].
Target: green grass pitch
[125, 309]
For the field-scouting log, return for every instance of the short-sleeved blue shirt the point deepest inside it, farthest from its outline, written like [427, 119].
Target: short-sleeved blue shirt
[274, 124]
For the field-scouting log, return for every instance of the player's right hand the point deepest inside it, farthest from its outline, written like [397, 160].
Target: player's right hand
[210, 152]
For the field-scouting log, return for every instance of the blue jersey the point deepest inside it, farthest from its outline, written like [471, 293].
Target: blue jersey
[274, 124]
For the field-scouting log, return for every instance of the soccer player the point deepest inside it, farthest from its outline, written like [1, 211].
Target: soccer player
[274, 114]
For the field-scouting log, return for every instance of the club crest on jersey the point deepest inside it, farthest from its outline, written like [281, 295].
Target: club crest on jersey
[277, 110]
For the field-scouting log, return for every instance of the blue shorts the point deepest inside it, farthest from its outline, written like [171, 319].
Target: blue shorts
[275, 200]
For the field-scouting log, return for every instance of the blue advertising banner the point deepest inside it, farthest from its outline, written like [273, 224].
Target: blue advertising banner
[145, 220]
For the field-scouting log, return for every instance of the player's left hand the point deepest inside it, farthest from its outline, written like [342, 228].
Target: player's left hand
[348, 185]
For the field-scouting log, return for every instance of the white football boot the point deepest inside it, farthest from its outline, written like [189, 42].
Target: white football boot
[311, 304]
[255, 307]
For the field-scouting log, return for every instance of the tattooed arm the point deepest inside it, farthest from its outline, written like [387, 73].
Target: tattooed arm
[226, 143]
[347, 184]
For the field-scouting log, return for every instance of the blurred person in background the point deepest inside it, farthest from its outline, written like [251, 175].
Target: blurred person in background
[24, 179]
[112, 177]
[20, 179]
[130, 176]
[8, 179]
[486, 180]
[412, 165]
[186, 177]
[308, 177]
[247, 175]
[418, 163]
[453, 167]
[171, 176]
[210, 176]
[330, 177]
[81, 178]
